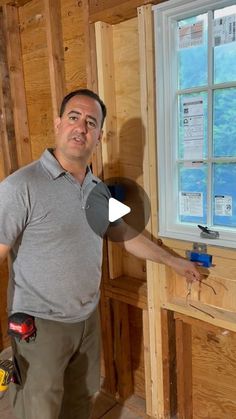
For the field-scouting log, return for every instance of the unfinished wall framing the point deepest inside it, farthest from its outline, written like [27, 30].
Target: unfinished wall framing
[126, 73]
[149, 329]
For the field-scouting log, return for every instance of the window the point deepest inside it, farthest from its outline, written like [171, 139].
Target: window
[195, 44]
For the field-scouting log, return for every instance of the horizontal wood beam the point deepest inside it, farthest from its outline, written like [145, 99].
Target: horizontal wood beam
[128, 290]
[115, 11]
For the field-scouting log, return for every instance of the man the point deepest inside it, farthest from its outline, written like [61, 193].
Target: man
[56, 266]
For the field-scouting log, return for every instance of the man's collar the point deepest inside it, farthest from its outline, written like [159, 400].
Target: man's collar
[53, 167]
[51, 164]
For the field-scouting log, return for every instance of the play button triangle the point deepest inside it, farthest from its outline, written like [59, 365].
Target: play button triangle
[117, 210]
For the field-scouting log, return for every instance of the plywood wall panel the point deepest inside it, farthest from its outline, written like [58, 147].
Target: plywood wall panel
[36, 66]
[127, 85]
[214, 373]
[218, 288]
[133, 266]
[128, 115]
[32, 27]
[36, 73]
[73, 26]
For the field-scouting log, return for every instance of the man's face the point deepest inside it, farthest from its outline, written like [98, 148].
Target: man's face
[78, 131]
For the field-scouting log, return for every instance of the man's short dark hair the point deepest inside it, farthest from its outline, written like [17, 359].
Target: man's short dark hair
[84, 92]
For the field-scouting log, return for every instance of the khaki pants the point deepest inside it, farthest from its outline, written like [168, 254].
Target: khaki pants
[59, 371]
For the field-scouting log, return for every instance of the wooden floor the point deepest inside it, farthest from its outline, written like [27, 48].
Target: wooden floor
[105, 407]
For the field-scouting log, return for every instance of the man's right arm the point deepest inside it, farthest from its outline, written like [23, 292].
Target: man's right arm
[4, 250]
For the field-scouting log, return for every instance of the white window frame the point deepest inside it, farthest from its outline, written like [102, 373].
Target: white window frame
[165, 17]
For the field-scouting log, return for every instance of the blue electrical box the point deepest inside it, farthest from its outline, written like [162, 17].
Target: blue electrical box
[203, 258]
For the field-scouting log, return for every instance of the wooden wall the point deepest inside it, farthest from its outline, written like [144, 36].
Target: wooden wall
[119, 46]
[34, 43]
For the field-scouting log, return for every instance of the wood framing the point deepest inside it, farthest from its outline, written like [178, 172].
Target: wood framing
[17, 87]
[122, 349]
[184, 369]
[154, 285]
[111, 11]
[55, 52]
[105, 66]
[169, 363]
[8, 138]
[205, 369]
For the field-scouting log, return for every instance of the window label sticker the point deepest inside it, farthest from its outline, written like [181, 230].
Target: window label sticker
[193, 126]
[223, 205]
[224, 30]
[191, 35]
[191, 203]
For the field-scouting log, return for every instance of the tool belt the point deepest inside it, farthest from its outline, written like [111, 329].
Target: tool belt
[22, 326]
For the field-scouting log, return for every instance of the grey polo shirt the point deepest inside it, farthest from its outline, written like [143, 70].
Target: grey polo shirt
[56, 257]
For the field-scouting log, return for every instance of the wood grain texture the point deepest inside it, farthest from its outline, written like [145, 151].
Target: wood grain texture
[74, 27]
[156, 274]
[129, 290]
[128, 117]
[127, 93]
[213, 369]
[52, 10]
[114, 11]
[8, 137]
[184, 369]
[36, 75]
[17, 86]
[169, 363]
[110, 145]
[122, 351]
[137, 350]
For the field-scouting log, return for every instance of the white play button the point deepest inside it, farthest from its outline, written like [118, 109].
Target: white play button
[117, 210]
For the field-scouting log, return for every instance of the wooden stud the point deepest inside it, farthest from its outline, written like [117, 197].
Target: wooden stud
[122, 354]
[169, 363]
[106, 87]
[147, 88]
[147, 364]
[92, 79]
[184, 369]
[155, 273]
[15, 66]
[109, 384]
[8, 138]
[55, 52]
